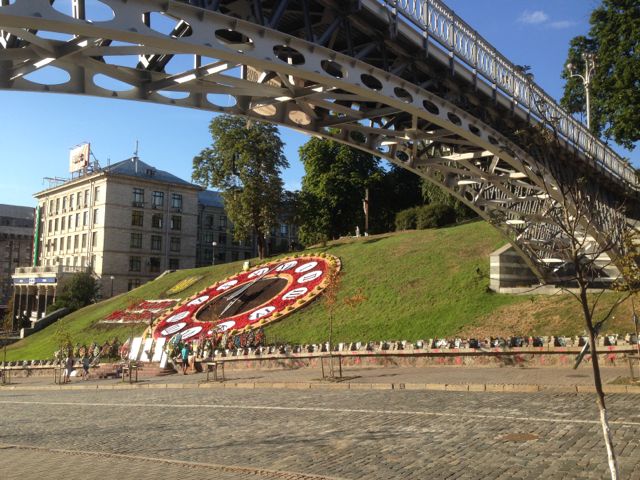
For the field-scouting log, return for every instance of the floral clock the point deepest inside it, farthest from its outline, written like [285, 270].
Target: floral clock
[250, 299]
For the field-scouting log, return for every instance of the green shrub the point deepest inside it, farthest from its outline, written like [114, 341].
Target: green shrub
[406, 219]
[435, 215]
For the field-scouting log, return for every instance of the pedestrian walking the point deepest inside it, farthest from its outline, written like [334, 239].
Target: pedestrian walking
[86, 363]
[184, 353]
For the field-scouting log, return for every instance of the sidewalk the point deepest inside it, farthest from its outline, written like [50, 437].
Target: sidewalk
[509, 379]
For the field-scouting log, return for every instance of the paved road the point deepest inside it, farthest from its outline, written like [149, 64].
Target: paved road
[275, 433]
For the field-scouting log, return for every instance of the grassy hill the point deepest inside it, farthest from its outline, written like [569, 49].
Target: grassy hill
[408, 285]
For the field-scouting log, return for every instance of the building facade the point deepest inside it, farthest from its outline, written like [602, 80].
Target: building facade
[125, 223]
[16, 244]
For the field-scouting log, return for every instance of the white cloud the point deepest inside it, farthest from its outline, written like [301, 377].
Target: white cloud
[560, 24]
[533, 18]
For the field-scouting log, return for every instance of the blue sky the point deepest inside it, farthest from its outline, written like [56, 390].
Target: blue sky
[39, 129]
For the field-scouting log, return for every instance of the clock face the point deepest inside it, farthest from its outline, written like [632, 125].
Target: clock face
[249, 299]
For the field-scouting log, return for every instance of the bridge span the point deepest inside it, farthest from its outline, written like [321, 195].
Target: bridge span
[406, 80]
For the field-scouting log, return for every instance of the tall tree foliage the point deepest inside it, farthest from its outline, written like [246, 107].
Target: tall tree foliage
[245, 162]
[615, 87]
[333, 188]
[79, 291]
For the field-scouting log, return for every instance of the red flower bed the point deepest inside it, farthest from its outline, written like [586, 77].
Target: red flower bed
[306, 277]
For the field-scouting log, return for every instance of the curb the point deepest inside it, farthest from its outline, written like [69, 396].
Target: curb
[448, 387]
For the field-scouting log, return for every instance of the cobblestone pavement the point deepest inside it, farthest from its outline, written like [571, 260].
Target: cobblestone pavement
[272, 433]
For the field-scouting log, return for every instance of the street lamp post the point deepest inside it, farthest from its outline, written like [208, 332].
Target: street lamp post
[112, 278]
[213, 253]
[589, 67]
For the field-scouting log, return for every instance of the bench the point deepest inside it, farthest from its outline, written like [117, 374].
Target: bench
[213, 366]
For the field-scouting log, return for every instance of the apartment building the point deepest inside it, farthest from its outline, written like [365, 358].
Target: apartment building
[16, 244]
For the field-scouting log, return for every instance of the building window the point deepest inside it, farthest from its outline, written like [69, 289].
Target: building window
[51, 207]
[174, 246]
[154, 264]
[222, 238]
[176, 201]
[138, 197]
[156, 242]
[55, 225]
[223, 223]
[208, 223]
[96, 195]
[86, 197]
[96, 213]
[68, 243]
[55, 244]
[85, 219]
[76, 242]
[133, 283]
[78, 199]
[136, 240]
[64, 204]
[176, 222]
[157, 200]
[84, 240]
[50, 224]
[62, 223]
[94, 239]
[61, 244]
[71, 202]
[156, 220]
[70, 222]
[77, 220]
[207, 237]
[135, 264]
[137, 218]
[174, 264]
[284, 229]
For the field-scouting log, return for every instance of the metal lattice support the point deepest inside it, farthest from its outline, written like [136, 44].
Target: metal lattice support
[173, 53]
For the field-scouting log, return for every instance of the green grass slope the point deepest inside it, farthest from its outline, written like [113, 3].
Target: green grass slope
[408, 285]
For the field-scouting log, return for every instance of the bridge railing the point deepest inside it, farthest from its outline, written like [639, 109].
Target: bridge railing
[439, 22]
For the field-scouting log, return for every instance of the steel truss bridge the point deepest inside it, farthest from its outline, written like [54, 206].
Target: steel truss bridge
[406, 80]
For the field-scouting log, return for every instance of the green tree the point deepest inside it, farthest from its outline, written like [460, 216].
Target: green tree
[245, 162]
[333, 188]
[434, 195]
[79, 291]
[398, 189]
[615, 86]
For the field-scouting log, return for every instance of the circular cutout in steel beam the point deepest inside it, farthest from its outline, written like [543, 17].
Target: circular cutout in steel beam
[403, 95]
[299, 118]
[288, 55]
[265, 110]
[475, 130]
[96, 11]
[233, 39]
[370, 81]
[493, 140]
[402, 156]
[48, 75]
[332, 68]
[454, 118]
[431, 107]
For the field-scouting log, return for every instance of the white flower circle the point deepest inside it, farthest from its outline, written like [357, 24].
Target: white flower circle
[263, 312]
[224, 326]
[258, 273]
[286, 266]
[190, 332]
[295, 293]
[173, 328]
[307, 277]
[177, 317]
[226, 285]
[198, 301]
[306, 267]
